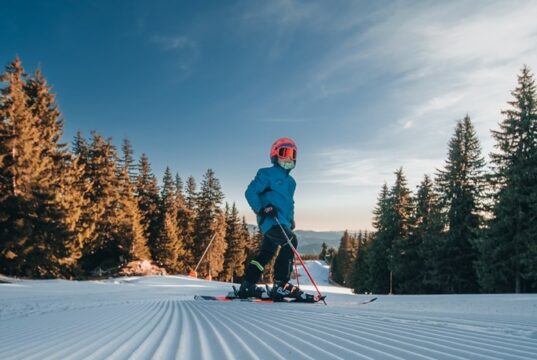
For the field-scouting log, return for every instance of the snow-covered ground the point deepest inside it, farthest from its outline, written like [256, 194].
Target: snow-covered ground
[156, 317]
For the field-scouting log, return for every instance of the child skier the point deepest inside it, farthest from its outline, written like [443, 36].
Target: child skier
[270, 196]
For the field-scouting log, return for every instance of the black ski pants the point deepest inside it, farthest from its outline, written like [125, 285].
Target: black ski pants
[283, 265]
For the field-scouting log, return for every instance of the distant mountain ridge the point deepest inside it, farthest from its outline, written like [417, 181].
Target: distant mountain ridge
[310, 242]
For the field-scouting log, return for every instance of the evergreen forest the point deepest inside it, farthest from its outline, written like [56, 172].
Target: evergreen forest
[90, 209]
[469, 228]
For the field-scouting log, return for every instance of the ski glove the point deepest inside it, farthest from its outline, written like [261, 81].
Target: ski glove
[269, 210]
[292, 224]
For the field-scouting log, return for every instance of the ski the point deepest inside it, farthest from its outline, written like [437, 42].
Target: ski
[368, 301]
[234, 299]
[254, 300]
[233, 296]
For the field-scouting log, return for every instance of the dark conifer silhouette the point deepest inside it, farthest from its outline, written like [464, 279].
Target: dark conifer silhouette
[236, 244]
[461, 189]
[400, 212]
[509, 247]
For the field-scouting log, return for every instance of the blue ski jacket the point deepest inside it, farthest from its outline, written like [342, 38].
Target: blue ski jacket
[272, 186]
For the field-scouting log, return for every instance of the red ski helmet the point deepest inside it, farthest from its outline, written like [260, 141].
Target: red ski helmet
[283, 148]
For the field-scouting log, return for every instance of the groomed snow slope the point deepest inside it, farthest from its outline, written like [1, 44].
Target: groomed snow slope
[156, 317]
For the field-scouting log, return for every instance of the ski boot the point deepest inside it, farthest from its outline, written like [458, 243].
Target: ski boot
[250, 290]
[283, 290]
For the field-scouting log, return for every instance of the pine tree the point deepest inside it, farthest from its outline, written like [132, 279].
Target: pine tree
[461, 187]
[399, 229]
[131, 232]
[210, 220]
[345, 259]
[62, 229]
[377, 258]
[236, 244]
[70, 197]
[509, 248]
[169, 251]
[425, 241]
[215, 254]
[245, 233]
[31, 222]
[148, 200]
[80, 148]
[105, 249]
[359, 270]
[191, 195]
[127, 160]
[80, 188]
[185, 219]
[43, 105]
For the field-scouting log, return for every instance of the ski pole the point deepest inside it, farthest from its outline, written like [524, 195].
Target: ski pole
[296, 271]
[299, 258]
[205, 252]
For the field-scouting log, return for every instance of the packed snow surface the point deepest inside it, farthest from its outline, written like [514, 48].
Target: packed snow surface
[157, 317]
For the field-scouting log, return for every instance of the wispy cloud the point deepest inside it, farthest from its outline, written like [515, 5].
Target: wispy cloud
[435, 104]
[368, 168]
[284, 17]
[441, 61]
[185, 49]
[435, 61]
[177, 42]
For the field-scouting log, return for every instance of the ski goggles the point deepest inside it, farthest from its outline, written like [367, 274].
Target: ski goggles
[287, 153]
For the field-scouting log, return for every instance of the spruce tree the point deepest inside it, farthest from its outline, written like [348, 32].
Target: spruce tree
[236, 244]
[215, 254]
[400, 212]
[134, 240]
[248, 239]
[509, 247]
[127, 160]
[80, 148]
[377, 258]
[425, 241]
[31, 222]
[209, 221]
[335, 273]
[461, 188]
[191, 195]
[345, 258]
[71, 197]
[147, 194]
[82, 185]
[106, 247]
[185, 220]
[359, 270]
[169, 251]
[43, 105]
[62, 227]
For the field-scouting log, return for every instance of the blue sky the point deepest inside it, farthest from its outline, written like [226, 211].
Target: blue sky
[363, 87]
